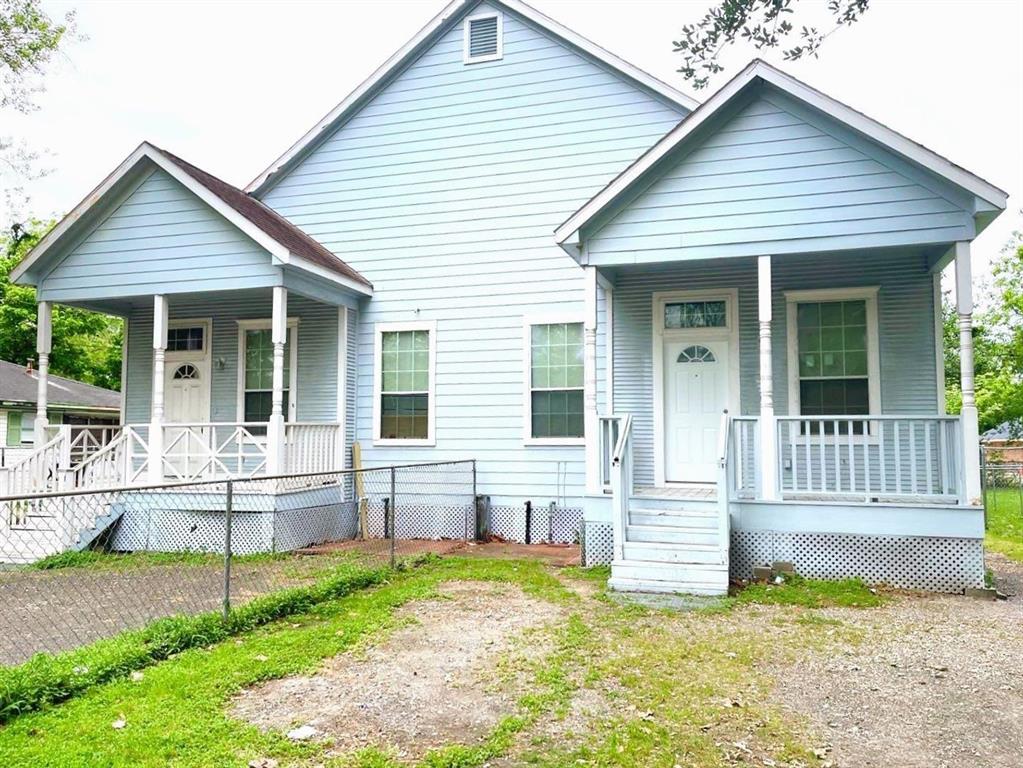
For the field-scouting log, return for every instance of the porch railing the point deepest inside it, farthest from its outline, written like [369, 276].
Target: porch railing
[743, 472]
[609, 429]
[208, 451]
[621, 484]
[874, 458]
[312, 447]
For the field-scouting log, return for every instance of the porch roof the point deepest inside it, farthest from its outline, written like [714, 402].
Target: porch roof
[981, 200]
[284, 243]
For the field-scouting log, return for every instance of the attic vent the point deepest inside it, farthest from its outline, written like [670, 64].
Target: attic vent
[483, 34]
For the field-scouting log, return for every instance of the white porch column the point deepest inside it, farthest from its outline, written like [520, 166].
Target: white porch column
[968, 414]
[275, 427]
[768, 425]
[44, 341]
[590, 420]
[160, 319]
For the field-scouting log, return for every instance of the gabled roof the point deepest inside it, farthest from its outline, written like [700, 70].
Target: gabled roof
[757, 70]
[18, 384]
[289, 244]
[437, 26]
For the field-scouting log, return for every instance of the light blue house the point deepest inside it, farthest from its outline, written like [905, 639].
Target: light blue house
[712, 331]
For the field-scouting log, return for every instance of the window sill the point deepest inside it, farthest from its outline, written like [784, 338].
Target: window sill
[405, 443]
[554, 441]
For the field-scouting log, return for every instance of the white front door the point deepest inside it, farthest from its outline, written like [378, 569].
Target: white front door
[186, 392]
[696, 384]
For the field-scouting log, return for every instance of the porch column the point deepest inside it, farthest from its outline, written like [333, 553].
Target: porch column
[160, 317]
[44, 339]
[275, 427]
[968, 414]
[768, 428]
[590, 417]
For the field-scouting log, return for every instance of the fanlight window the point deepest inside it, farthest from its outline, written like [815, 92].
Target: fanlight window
[696, 354]
[186, 371]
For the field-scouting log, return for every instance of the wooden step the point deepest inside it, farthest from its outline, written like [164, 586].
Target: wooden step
[675, 518]
[672, 553]
[629, 576]
[672, 534]
[664, 502]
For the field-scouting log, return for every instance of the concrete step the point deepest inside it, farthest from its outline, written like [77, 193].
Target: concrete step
[676, 518]
[672, 534]
[629, 576]
[672, 553]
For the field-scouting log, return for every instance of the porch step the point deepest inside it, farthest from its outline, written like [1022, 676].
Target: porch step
[678, 518]
[672, 534]
[668, 503]
[661, 552]
[693, 579]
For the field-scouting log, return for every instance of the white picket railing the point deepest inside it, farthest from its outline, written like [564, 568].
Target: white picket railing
[873, 458]
[621, 484]
[743, 481]
[608, 431]
[124, 460]
[38, 472]
[312, 447]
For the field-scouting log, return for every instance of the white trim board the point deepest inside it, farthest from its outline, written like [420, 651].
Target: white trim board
[436, 26]
[379, 329]
[658, 336]
[568, 233]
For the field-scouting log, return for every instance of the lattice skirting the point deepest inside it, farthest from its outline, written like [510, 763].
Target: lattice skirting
[904, 562]
[597, 543]
[553, 525]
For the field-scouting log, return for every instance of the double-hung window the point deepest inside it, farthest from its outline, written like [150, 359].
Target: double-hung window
[833, 356]
[554, 398]
[404, 383]
[256, 370]
[16, 433]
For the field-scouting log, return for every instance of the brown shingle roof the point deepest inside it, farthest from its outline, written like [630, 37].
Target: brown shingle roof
[269, 221]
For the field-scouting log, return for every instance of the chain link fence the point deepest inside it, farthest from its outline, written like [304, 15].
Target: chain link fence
[77, 567]
[1002, 484]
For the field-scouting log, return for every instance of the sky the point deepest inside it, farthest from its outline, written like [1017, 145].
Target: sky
[230, 85]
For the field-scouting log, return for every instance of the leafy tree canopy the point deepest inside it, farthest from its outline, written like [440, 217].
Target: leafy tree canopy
[764, 23]
[86, 345]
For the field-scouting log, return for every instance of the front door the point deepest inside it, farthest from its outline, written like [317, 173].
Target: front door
[186, 392]
[695, 395]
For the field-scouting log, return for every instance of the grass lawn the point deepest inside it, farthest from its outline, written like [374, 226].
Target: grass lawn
[682, 688]
[1004, 522]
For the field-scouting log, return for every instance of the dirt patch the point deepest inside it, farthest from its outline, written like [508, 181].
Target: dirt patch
[937, 682]
[425, 686]
[553, 554]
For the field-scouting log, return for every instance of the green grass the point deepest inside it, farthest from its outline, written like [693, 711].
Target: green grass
[1004, 534]
[93, 560]
[809, 593]
[679, 687]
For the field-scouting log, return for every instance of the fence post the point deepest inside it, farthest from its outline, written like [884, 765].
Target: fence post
[394, 532]
[228, 508]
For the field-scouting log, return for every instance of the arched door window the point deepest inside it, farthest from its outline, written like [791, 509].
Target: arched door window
[185, 372]
[696, 354]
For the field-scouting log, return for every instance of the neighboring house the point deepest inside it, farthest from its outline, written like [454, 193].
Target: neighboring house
[711, 330]
[68, 402]
[1003, 444]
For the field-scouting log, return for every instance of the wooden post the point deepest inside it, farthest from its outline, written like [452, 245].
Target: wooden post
[44, 340]
[768, 425]
[968, 413]
[360, 490]
[275, 427]
[160, 320]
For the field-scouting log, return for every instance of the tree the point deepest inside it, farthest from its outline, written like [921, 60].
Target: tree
[765, 23]
[86, 345]
[29, 39]
[997, 346]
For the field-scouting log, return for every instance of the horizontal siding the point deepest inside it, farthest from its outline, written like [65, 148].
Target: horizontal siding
[444, 191]
[905, 320]
[317, 353]
[160, 235]
[772, 179]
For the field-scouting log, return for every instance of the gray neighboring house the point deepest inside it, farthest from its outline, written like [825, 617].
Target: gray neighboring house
[69, 402]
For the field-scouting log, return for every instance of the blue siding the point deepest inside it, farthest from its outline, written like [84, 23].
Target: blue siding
[444, 191]
[317, 353]
[163, 236]
[905, 325]
[778, 178]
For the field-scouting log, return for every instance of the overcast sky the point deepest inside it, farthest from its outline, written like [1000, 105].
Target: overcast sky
[230, 85]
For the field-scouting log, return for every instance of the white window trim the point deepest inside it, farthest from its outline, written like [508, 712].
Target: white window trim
[466, 58]
[265, 325]
[868, 294]
[660, 334]
[528, 321]
[379, 329]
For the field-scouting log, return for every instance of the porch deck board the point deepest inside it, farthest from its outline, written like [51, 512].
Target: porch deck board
[701, 493]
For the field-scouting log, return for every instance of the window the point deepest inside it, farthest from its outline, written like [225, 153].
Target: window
[186, 371]
[14, 428]
[186, 339]
[404, 383]
[696, 354]
[483, 35]
[256, 368]
[833, 354]
[695, 314]
[556, 381]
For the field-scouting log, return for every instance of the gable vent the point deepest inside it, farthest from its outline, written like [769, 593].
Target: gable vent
[483, 34]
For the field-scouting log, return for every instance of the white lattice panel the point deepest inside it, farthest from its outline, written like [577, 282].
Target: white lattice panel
[598, 543]
[554, 525]
[905, 562]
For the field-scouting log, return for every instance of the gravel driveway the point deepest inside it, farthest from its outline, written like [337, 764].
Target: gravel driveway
[937, 681]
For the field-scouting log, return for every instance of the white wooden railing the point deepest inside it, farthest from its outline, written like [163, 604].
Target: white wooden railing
[211, 451]
[725, 458]
[743, 481]
[608, 430]
[124, 460]
[312, 447]
[873, 458]
[38, 472]
[621, 484]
